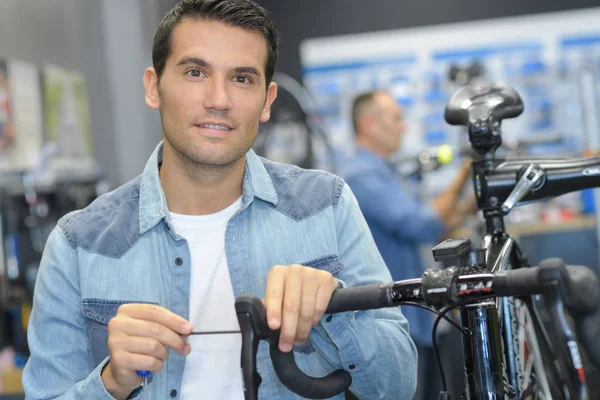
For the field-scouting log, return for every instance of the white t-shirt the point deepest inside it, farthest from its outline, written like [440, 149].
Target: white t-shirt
[212, 369]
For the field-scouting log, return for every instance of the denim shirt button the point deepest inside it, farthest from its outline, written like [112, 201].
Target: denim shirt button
[178, 261]
[173, 393]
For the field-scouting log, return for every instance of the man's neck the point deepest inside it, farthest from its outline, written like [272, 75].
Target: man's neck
[372, 147]
[197, 189]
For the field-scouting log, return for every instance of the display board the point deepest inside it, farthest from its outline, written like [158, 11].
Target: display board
[67, 117]
[553, 60]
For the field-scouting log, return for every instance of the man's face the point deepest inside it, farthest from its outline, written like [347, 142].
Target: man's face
[391, 123]
[211, 94]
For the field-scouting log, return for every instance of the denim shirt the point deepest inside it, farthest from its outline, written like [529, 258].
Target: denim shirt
[122, 249]
[399, 224]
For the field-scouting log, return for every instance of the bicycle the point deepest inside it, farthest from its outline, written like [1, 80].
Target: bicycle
[499, 186]
[508, 326]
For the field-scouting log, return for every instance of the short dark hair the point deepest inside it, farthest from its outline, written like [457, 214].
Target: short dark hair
[360, 105]
[246, 14]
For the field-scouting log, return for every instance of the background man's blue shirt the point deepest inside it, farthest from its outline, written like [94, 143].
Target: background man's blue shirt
[399, 224]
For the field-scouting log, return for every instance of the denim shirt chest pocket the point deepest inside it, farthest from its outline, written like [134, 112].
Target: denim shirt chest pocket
[331, 264]
[97, 313]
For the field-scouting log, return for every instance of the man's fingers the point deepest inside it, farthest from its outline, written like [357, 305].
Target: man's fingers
[324, 293]
[149, 329]
[136, 362]
[274, 296]
[155, 313]
[296, 298]
[291, 307]
[310, 286]
[139, 345]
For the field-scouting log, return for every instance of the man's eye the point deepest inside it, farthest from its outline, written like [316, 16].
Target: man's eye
[242, 79]
[194, 73]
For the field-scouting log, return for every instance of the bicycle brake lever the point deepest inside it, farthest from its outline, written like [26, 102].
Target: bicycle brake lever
[253, 324]
[532, 175]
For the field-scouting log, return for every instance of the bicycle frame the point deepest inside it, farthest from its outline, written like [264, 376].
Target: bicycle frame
[482, 349]
[500, 185]
[503, 253]
[493, 180]
[492, 366]
[483, 352]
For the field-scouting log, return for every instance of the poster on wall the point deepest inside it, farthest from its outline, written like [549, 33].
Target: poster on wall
[6, 125]
[21, 129]
[67, 117]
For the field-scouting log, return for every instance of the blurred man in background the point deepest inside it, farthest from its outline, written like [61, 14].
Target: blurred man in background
[399, 222]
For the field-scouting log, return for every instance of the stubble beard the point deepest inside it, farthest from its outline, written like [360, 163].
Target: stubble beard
[195, 156]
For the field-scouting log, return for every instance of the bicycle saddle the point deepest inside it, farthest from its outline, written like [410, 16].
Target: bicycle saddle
[469, 105]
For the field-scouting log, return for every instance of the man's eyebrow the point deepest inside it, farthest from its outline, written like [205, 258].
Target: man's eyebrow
[199, 62]
[246, 70]
[193, 61]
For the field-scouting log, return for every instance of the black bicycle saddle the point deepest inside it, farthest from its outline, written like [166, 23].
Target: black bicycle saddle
[469, 104]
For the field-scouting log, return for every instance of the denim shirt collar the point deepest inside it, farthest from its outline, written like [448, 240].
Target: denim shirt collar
[153, 203]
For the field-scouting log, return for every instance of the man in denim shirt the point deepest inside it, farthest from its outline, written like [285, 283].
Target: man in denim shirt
[398, 222]
[124, 282]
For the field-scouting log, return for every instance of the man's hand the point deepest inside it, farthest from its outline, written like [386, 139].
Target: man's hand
[466, 169]
[138, 338]
[295, 299]
[445, 204]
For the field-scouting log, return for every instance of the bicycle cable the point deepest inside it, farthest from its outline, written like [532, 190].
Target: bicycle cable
[437, 312]
[441, 315]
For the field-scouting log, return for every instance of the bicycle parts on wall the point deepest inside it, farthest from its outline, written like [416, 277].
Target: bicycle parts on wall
[296, 133]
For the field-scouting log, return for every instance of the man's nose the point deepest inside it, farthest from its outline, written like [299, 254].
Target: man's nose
[216, 95]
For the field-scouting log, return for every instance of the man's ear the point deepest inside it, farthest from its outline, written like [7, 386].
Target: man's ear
[271, 96]
[366, 124]
[151, 85]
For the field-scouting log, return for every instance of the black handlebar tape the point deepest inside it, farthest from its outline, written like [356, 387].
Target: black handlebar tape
[365, 297]
[368, 297]
[518, 282]
[303, 385]
[584, 293]
[579, 286]
[588, 333]
[584, 306]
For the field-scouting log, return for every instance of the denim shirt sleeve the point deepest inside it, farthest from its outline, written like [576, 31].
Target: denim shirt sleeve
[373, 346]
[385, 203]
[60, 365]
